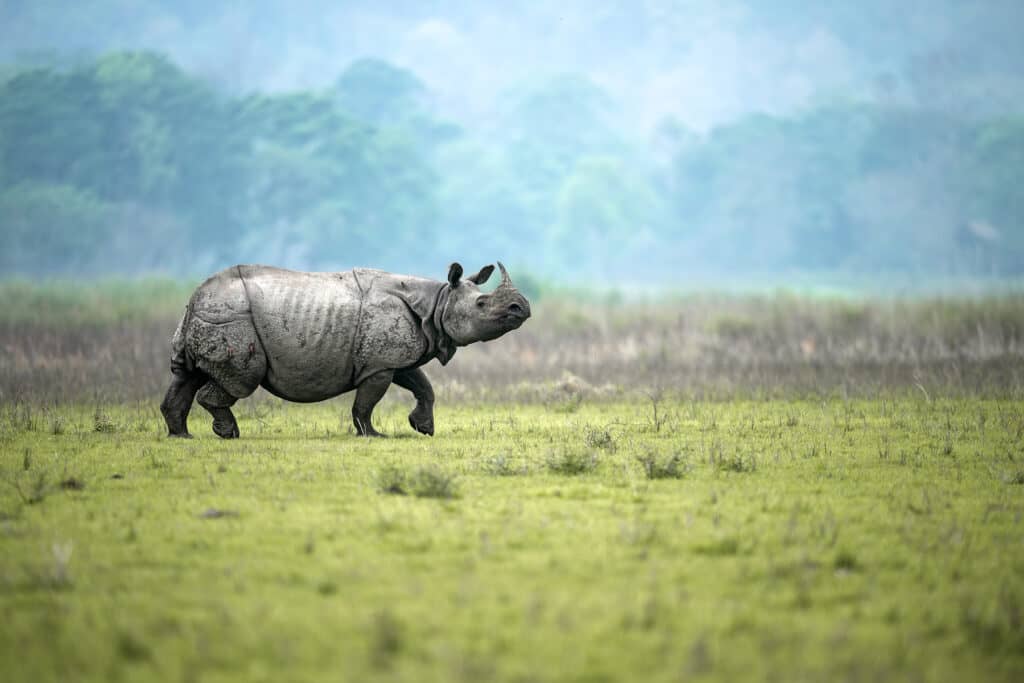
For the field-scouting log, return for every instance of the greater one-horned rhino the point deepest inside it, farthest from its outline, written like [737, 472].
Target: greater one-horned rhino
[311, 336]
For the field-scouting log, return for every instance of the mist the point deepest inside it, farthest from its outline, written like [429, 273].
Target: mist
[612, 143]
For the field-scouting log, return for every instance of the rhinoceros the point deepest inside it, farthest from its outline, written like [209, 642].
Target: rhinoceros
[312, 336]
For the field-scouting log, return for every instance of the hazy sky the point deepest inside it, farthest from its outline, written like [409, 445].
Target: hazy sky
[702, 61]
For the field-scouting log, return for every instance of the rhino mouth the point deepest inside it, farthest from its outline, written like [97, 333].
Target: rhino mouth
[515, 319]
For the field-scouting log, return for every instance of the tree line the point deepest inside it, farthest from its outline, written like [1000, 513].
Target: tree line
[127, 164]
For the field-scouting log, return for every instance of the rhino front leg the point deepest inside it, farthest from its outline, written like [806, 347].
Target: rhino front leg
[218, 402]
[422, 416]
[368, 394]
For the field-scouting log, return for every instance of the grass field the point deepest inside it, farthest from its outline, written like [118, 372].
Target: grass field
[702, 487]
[655, 539]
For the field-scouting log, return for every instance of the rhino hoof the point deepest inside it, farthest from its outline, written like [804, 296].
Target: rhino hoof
[179, 435]
[426, 427]
[228, 430]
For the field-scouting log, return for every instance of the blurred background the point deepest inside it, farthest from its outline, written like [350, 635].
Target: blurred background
[608, 151]
[650, 143]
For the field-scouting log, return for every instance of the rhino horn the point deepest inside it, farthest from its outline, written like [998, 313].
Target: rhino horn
[506, 281]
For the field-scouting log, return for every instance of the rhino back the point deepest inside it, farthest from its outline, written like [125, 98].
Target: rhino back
[324, 333]
[307, 323]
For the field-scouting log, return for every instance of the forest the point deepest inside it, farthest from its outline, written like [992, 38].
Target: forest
[123, 161]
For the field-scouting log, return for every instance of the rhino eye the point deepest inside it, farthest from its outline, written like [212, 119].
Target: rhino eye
[480, 302]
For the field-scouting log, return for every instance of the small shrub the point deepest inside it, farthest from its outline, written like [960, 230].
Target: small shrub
[816, 451]
[502, 465]
[1015, 478]
[130, 647]
[57, 425]
[722, 547]
[674, 466]
[572, 461]
[846, 561]
[599, 438]
[392, 479]
[430, 481]
[738, 463]
[995, 623]
[33, 493]
[386, 639]
[72, 484]
[101, 422]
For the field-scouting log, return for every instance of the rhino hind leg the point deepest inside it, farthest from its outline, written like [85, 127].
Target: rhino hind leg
[422, 416]
[230, 354]
[368, 394]
[218, 402]
[178, 401]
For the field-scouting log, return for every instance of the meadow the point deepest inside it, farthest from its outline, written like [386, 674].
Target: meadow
[716, 488]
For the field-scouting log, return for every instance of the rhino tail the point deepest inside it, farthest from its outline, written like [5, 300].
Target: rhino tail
[182, 362]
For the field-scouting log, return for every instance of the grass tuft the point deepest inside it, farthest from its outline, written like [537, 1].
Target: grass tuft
[721, 547]
[392, 479]
[427, 481]
[673, 466]
[101, 422]
[57, 424]
[595, 437]
[503, 465]
[72, 484]
[1016, 478]
[387, 639]
[846, 561]
[431, 481]
[572, 461]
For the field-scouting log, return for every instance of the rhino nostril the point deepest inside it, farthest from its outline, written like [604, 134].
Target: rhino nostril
[515, 308]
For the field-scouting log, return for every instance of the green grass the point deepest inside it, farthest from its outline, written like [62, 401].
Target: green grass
[866, 540]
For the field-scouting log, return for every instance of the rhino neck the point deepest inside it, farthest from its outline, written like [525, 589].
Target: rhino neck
[427, 301]
[441, 342]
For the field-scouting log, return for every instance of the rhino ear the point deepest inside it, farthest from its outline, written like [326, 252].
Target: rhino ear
[454, 274]
[482, 276]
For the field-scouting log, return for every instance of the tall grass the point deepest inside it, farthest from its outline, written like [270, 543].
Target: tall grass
[110, 339]
[59, 303]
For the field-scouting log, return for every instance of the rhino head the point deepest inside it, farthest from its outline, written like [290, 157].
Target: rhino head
[472, 315]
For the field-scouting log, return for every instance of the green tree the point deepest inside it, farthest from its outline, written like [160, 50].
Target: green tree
[48, 228]
[348, 191]
[605, 216]
[375, 91]
[998, 152]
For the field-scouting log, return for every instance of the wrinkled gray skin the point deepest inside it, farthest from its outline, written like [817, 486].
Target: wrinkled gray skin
[311, 336]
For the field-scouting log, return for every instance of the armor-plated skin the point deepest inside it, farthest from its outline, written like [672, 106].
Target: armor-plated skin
[312, 336]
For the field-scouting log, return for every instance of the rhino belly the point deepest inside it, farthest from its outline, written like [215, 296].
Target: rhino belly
[307, 323]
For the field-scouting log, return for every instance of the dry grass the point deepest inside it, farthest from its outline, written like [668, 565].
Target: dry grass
[703, 346]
